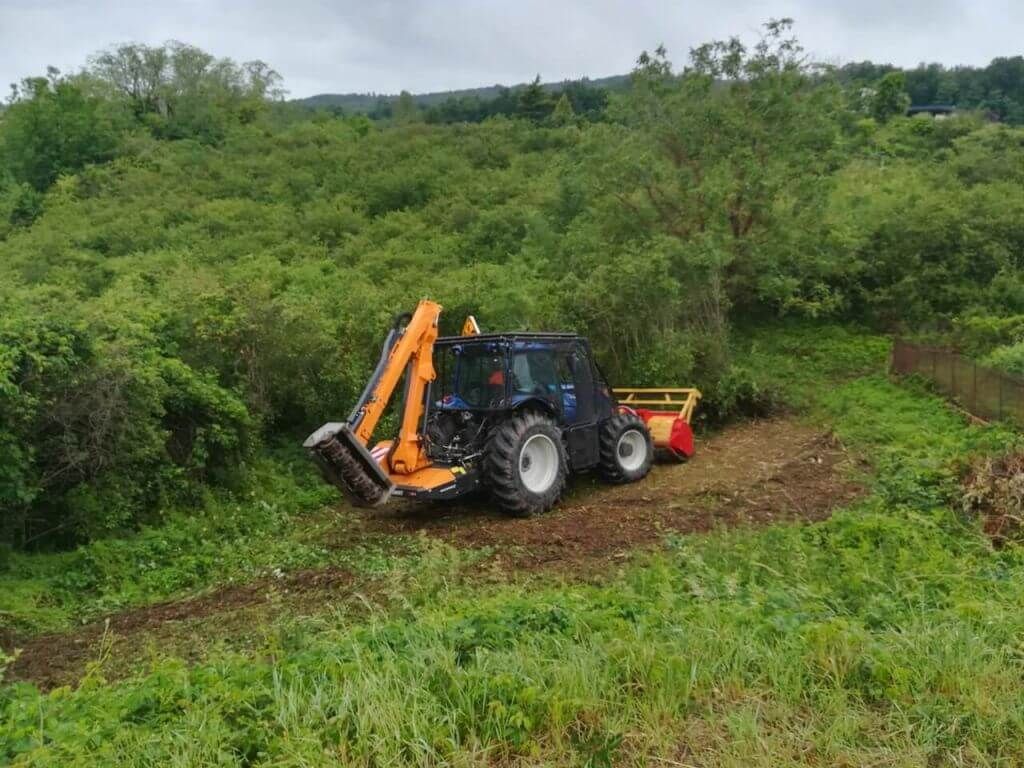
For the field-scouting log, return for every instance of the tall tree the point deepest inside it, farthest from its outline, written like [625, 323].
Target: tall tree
[563, 113]
[890, 97]
[405, 109]
[181, 91]
[534, 102]
[56, 125]
[727, 160]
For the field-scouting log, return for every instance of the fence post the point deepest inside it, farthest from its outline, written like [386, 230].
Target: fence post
[953, 361]
[1001, 380]
[974, 389]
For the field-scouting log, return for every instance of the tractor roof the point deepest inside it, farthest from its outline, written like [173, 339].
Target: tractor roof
[511, 336]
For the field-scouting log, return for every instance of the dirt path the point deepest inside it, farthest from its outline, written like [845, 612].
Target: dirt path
[754, 473]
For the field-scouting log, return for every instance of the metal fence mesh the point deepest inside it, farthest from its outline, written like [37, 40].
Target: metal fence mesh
[985, 392]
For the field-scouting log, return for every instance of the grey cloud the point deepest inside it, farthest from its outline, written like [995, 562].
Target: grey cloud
[385, 46]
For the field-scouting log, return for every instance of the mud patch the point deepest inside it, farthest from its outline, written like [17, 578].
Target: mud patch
[61, 658]
[757, 473]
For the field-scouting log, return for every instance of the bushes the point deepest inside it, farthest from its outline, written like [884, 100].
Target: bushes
[215, 539]
[220, 293]
[738, 393]
[97, 432]
[58, 125]
[1009, 358]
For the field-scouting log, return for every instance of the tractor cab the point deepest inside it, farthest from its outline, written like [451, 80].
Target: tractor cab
[554, 373]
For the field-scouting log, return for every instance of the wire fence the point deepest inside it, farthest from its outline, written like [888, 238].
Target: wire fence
[983, 391]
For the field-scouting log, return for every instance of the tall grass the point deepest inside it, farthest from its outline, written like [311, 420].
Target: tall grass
[233, 537]
[891, 634]
[870, 638]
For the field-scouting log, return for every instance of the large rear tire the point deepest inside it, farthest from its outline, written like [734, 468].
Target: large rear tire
[525, 464]
[627, 450]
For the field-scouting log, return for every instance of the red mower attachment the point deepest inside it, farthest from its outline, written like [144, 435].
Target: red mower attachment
[667, 413]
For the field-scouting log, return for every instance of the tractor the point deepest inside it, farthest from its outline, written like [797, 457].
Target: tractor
[512, 414]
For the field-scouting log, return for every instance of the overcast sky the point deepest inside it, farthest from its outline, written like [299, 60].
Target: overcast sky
[386, 45]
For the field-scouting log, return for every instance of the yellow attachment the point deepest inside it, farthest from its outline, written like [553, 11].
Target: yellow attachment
[683, 399]
[470, 327]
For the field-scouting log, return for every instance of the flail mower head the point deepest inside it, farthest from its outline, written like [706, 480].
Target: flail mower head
[667, 413]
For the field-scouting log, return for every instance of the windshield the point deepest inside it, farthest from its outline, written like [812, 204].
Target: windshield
[470, 376]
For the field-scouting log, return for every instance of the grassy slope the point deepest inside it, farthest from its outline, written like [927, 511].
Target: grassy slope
[890, 634]
[278, 528]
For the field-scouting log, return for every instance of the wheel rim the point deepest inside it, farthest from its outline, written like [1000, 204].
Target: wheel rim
[631, 450]
[538, 463]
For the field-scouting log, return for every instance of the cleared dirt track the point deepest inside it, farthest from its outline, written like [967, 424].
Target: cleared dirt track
[755, 473]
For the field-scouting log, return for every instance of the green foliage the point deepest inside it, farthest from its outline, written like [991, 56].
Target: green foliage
[55, 125]
[997, 89]
[179, 91]
[891, 629]
[563, 113]
[203, 293]
[977, 333]
[6, 659]
[738, 392]
[166, 304]
[584, 98]
[534, 102]
[922, 246]
[730, 160]
[900, 627]
[222, 538]
[98, 430]
[890, 98]
[1009, 358]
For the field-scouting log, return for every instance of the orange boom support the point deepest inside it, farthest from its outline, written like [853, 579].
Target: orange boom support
[340, 448]
[667, 413]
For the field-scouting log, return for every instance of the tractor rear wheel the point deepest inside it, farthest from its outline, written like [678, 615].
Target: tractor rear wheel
[627, 450]
[525, 464]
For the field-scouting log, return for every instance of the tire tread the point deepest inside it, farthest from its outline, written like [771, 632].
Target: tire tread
[610, 468]
[501, 461]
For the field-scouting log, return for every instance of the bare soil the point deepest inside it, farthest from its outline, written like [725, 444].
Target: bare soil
[755, 473]
[61, 658]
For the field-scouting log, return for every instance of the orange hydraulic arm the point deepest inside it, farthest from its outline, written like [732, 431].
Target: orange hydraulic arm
[412, 353]
[341, 448]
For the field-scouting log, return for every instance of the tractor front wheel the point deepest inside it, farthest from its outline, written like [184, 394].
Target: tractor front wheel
[627, 450]
[525, 464]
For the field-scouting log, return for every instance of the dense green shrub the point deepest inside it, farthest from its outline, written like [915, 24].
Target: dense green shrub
[1009, 358]
[96, 432]
[230, 273]
[738, 392]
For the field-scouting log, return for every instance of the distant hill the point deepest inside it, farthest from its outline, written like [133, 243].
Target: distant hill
[366, 102]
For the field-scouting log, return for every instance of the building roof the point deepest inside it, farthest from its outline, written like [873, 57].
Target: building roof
[931, 109]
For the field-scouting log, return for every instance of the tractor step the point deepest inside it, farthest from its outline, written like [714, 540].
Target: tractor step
[347, 464]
